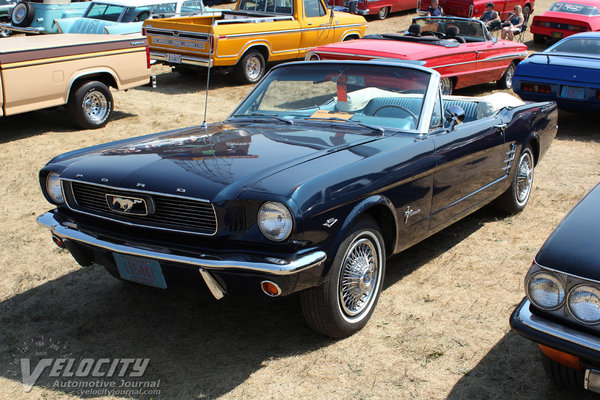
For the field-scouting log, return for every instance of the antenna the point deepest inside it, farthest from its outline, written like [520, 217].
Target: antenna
[210, 54]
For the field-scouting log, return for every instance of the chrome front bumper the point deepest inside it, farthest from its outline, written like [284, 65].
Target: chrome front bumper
[68, 229]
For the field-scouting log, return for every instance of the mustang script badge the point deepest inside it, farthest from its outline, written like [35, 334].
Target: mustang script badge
[127, 205]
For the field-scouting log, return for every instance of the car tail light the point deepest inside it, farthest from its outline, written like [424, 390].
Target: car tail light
[534, 88]
[577, 28]
[148, 57]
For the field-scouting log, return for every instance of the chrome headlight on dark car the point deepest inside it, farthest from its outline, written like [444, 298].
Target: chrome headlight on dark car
[275, 221]
[584, 304]
[545, 291]
[53, 188]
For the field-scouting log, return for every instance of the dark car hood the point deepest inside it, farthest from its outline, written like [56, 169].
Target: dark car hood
[560, 66]
[574, 246]
[202, 163]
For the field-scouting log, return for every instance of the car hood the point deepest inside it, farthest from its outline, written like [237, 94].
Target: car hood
[560, 66]
[573, 247]
[218, 162]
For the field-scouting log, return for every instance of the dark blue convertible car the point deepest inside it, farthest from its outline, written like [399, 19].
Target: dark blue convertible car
[562, 309]
[324, 171]
[567, 72]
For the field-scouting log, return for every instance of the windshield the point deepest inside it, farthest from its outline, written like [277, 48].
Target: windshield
[109, 12]
[587, 46]
[470, 30]
[573, 8]
[366, 95]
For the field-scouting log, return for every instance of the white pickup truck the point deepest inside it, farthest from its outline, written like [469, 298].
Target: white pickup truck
[74, 70]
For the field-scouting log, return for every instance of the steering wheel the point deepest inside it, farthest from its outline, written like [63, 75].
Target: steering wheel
[438, 35]
[403, 109]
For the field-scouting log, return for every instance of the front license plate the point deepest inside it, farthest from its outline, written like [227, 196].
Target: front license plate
[557, 35]
[140, 270]
[174, 58]
[572, 92]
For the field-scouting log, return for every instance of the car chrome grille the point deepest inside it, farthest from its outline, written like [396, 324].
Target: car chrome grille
[168, 212]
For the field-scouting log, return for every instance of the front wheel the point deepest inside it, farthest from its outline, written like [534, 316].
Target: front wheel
[516, 196]
[383, 12]
[251, 67]
[446, 85]
[91, 105]
[343, 304]
[506, 81]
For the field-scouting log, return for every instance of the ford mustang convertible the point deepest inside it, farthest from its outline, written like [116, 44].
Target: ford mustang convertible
[460, 49]
[324, 171]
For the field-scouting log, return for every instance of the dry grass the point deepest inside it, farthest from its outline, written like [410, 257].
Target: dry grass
[440, 329]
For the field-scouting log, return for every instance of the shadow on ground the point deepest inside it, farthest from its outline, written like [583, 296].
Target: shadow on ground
[512, 369]
[198, 347]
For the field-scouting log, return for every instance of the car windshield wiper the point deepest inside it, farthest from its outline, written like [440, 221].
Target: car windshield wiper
[286, 120]
[337, 119]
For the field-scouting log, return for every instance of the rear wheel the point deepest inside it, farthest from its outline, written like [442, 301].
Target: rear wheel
[251, 67]
[506, 81]
[563, 375]
[343, 304]
[516, 196]
[539, 39]
[383, 12]
[91, 105]
[446, 85]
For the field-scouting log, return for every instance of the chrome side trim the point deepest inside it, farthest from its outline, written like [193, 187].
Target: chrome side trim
[562, 332]
[473, 193]
[21, 29]
[267, 265]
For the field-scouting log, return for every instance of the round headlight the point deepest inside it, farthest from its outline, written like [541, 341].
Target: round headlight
[545, 291]
[53, 188]
[275, 221]
[584, 304]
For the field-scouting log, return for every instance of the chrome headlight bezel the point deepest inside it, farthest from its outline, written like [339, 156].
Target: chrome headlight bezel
[554, 279]
[279, 230]
[54, 189]
[591, 289]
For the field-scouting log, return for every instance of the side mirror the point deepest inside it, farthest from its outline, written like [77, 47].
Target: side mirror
[455, 115]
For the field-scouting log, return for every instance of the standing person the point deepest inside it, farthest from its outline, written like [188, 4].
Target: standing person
[434, 10]
[490, 17]
[513, 24]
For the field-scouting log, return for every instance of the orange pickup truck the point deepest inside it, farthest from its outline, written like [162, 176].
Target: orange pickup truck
[244, 39]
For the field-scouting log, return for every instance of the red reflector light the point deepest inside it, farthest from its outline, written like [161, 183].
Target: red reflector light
[535, 88]
[148, 57]
[270, 288]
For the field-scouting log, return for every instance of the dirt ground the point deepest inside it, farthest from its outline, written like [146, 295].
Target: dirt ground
[440, 329]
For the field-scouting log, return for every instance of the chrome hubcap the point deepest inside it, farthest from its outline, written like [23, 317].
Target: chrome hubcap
[509, 76]
[95, 106]
[253, 68]
[19, 15]
[524, 178]
[382, 13]
[446, 85]
[359, 277]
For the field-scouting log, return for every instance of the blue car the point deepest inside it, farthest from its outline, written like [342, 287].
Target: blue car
[567, 72]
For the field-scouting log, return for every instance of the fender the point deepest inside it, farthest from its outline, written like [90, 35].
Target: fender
[348, 33]
[357, 211]
[93, 71]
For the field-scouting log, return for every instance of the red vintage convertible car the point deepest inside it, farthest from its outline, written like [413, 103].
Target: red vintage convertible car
[380, 8]
[474, 8]
[566, 18]
[460, 49]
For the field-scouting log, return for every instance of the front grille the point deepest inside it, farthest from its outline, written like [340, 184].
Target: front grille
[170, 212]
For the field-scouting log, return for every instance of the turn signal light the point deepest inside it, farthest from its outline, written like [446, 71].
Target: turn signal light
[530, 87]
[58, 241]
[561, 358]
[270, 288]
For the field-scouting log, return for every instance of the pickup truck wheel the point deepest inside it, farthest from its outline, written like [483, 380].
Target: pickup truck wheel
[343, 304]
[22, 14]
[383, 12]
[251, 67]
[91, 105]
[516, 196]
[506, 81]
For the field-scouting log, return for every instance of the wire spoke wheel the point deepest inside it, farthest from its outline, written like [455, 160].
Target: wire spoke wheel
[95, 106]
[446, 86]
[359, 277]
[524, 178]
